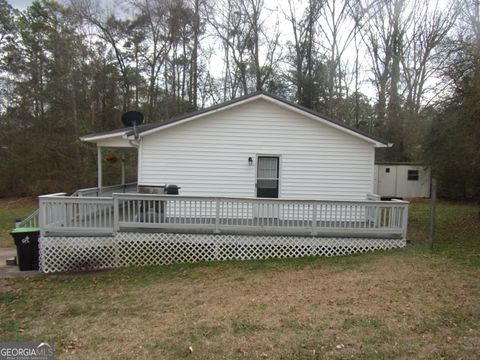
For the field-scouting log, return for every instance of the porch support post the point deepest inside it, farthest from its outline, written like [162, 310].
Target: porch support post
[99, 170]
[123, 169]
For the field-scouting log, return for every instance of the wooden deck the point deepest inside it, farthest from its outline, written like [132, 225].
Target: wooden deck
[61, 215]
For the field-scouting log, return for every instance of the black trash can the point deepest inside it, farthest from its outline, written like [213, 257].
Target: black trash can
[26, 240]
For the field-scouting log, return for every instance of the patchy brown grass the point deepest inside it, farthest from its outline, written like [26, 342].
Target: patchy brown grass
[402, 304]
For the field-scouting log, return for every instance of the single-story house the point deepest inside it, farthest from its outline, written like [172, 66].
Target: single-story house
[259, 177]
[258, 145]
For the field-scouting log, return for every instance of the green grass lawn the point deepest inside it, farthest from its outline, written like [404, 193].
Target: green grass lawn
[457, 234]
[11, 209]
[409, 303]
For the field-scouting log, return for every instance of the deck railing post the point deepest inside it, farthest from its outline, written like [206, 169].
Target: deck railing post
[99, 170]
[41, 216]
[217, 216]
[55, 213]
[314, 220]
[405, 221]
[65, 214]
[116, 225]
[376, 216]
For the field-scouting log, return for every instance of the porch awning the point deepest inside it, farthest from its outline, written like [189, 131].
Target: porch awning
[115, 138]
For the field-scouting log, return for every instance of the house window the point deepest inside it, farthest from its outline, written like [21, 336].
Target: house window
[413, 175]
[387, 170]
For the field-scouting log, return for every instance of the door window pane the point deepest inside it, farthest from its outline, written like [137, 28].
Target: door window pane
[267, 168]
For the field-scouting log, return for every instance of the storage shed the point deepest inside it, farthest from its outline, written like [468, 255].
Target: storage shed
[402, 180]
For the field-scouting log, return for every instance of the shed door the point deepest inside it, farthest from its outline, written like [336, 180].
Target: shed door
[387, 180]
[267, 176]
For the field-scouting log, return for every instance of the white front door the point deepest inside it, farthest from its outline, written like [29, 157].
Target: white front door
[268, 176]
[267, 185]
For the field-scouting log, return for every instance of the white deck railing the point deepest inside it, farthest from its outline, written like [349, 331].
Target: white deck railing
[138, 212]
[30, 221]
[65, 214]
[106, 191]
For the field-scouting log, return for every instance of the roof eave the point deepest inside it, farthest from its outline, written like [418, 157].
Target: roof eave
[117, 139]
[93, 137]
[128, 133]
[376, 142]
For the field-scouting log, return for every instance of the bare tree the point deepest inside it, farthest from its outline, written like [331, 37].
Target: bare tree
[423, 57]
[112, 31]
[383, 36]
[251, 52]
[193, 89]
[152, 35]
[304, 50]
[470, 14]
[337, 34]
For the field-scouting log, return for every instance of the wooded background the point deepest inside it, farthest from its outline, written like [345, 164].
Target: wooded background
[404, 70]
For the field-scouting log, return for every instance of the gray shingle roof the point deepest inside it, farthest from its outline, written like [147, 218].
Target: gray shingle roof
[143, 128]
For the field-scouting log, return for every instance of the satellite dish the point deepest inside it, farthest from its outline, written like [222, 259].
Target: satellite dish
[132, 119]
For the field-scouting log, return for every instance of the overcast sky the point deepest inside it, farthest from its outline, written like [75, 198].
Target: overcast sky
[19, 4]
[216, 61]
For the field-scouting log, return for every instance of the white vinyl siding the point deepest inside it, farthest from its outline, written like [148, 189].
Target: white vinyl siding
[209, 155]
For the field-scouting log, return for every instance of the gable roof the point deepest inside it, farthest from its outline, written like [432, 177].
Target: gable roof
[146, 129]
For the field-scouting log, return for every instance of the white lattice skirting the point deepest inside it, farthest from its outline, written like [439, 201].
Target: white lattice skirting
[61, 254]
